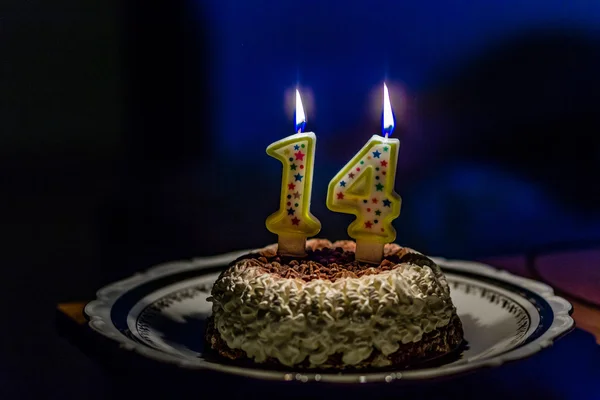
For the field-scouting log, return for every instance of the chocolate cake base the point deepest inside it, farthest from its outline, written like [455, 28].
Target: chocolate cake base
[434, 344]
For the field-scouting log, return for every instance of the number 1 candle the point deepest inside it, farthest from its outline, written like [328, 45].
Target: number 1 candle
[365, 187]
[293, 223]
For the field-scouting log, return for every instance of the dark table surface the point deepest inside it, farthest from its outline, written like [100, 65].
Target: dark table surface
[71, 361]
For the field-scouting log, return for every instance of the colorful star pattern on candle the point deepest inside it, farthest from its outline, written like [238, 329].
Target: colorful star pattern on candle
[294, 215]
[367, 190]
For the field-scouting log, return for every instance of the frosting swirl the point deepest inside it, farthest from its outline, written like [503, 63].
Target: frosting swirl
[268, 316]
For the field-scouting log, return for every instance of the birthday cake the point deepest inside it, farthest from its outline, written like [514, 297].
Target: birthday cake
[328, 310]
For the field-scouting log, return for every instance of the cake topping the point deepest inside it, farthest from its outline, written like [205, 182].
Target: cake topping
[328, 264]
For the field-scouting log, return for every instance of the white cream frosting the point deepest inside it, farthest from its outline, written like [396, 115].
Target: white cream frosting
[266, 315]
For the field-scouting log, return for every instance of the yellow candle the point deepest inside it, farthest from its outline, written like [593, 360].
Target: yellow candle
[293, 222]
[365, 187]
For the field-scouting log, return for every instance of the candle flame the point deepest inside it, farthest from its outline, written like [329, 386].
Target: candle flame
[388, 115]
[300, 115]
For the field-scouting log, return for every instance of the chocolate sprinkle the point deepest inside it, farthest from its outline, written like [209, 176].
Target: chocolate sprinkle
[329, 264]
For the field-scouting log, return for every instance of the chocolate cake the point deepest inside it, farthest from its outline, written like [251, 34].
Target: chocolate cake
[327, 310]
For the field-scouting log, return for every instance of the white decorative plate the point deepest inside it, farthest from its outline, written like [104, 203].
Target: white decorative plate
[161, 314]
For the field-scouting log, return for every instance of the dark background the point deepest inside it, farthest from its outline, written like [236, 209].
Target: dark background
[133, 133]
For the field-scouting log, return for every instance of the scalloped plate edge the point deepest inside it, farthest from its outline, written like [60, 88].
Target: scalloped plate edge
[99, 313]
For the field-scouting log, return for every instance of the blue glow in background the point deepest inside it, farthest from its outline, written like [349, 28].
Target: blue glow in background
[497, 101]
[342, 51]
[151, 123]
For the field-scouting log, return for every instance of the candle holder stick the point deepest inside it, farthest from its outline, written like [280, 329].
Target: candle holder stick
[369, 251]
[291, 245]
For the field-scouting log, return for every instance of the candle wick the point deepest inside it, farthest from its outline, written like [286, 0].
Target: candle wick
[386, 135]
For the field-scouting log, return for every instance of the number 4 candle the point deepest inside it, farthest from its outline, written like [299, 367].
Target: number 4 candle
[293, 223]
[365, 188]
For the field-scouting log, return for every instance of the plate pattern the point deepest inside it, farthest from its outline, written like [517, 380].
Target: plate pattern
[522, 317]
[144, 320]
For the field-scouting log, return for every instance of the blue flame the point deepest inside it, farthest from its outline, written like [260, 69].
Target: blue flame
[387, 119]
[300, 115]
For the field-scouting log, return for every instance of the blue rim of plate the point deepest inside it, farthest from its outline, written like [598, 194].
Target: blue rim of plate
[127, 301]
[108, 315]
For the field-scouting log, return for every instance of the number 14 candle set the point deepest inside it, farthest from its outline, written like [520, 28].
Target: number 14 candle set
[363, 187]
